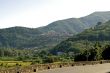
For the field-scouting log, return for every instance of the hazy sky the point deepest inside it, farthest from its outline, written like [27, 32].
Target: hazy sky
[36, 13]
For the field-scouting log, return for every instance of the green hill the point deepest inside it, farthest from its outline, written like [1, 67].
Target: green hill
[50, 35]
[22, 37]
[76, 25]
[86, 39]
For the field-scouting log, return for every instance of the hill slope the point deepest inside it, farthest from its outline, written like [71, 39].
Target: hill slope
[50, 35]
[76, 25]
[22, 37]
[86, 39]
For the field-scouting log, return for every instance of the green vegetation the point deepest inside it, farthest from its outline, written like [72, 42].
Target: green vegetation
[31, 56]
[50, 35]
[20, 46]
[23, 58]
[95, 54]
[86, 39]
[7, 64]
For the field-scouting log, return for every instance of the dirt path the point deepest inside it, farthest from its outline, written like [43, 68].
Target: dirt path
[99, 68]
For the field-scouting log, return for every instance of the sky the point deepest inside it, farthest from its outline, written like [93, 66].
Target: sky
[37, 13]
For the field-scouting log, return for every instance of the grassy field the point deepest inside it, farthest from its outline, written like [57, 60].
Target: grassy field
[8, 64]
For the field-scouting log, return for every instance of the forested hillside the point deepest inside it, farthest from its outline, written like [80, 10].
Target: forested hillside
[50, 35]
[86, 40]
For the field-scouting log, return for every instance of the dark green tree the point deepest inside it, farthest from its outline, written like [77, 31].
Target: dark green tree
[106, 53]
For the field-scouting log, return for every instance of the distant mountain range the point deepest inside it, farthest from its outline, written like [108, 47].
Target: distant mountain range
[86, 40]
[50, 35]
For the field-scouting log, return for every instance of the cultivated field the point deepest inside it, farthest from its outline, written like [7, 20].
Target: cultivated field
[8, 64]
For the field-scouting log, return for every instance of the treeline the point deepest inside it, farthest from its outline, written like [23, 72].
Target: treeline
[15, 54]
[94, 54]
[33, 55]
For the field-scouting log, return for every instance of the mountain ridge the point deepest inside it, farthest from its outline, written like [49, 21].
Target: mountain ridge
[50, 35]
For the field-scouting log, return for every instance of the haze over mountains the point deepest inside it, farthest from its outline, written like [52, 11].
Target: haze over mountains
[50, 35]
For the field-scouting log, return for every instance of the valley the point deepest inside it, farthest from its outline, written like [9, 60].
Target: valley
[63, 41]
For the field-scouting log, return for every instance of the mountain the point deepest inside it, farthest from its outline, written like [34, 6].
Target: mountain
[50, 35]
[22, 37]
[86, 40]
[76, 25]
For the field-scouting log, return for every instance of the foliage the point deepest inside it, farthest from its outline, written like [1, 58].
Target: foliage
[50, 35]
[28, 42]
[95, 54]
[106, 53]
[86, 39]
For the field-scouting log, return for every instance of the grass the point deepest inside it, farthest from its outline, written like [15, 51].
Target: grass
[8, 64]
[12, 62]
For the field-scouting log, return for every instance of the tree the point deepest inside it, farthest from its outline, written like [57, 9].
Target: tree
[80, 57]
[2, 52]
[106, 53]
[90, 54]
[98, 51]
[87, 54]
